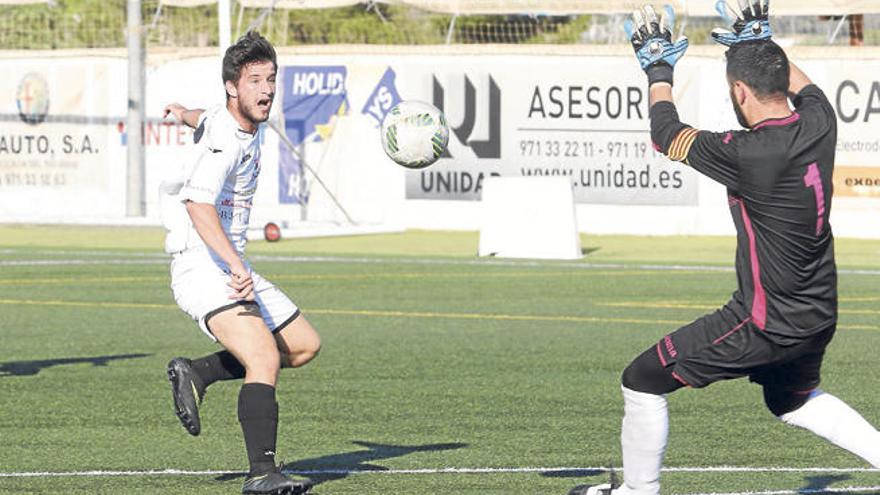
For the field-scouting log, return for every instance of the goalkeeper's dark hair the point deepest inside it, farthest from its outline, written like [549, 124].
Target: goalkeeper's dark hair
[248, 49]
[762, 65]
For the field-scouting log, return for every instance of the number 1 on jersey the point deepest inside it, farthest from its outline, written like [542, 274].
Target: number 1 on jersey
[813, 179]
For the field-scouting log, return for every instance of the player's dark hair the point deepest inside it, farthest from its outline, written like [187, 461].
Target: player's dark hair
[762, 65]
[248, 49]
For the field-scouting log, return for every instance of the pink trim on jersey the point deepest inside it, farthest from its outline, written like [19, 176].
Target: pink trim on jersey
[656, 147]
[794, 117]
[759, 301]
[728, 138]
[728, 334]
[814, 179]
[660, 355]
[680, 379]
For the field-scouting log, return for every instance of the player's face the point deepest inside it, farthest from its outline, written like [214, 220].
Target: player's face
[255, 91]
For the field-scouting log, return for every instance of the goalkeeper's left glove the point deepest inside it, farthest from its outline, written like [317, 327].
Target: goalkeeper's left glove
[652, 41]
[751, 25]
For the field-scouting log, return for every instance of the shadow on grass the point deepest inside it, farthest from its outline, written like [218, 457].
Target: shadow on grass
[30, 368]
[573, 473]
[816, 484]
[338, 466]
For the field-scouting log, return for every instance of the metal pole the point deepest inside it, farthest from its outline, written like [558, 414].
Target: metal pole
[224, 16]
[275, 126]
[135, 203]
[451, 29]
[836, 30]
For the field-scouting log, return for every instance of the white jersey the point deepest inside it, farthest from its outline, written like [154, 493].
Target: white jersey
[223, 172]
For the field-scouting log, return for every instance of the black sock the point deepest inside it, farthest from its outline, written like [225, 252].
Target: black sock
[216, 367]
[258, 415]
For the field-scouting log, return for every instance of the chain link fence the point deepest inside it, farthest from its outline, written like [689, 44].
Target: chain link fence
[102, 24]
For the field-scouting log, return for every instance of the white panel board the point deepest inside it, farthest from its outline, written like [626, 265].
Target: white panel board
[529, 217]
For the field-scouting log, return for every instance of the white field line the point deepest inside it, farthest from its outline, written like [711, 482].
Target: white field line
[514, 470]
[83, 262]
[87, 253]
[148, 258]
[807, 491]
[447, 470]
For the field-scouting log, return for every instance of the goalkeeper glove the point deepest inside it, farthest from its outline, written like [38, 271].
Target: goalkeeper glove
[751, 25]
[652, 41]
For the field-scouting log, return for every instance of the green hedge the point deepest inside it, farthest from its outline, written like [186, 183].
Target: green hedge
[102, 23]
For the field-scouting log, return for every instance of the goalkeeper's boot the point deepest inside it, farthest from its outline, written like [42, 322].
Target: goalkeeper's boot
[187, 390]
[275, 483]
[604, 489]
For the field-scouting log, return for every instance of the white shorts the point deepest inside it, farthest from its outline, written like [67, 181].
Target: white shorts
[198, 281]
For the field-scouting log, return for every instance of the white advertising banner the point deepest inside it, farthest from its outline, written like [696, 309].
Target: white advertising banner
[585, 118]
[58, 152]
[854, 90]
[853, 87]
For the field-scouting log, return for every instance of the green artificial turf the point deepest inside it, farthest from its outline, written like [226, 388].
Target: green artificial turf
[432, 359]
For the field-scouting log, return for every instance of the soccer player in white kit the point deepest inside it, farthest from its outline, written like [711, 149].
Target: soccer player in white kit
[206, 213]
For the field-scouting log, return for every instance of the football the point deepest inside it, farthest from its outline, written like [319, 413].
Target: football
[414, 134]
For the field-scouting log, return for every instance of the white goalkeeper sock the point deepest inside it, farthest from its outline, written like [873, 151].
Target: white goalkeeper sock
[832, 419]
[643, 439]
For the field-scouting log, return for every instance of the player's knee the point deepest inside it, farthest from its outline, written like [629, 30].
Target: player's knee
[304, 353]
[646, 374]
[636, 377]
[781, 402]
[263, 367]
[630, 377]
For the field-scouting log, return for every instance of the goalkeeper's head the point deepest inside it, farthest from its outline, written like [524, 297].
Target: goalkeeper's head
[758, 75]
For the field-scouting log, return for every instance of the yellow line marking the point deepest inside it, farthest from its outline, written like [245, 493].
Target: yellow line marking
[82, 280]
[396, 314]
[485, 316]
[87, 304]
[723, 298]
[858, 327]
[858, 299]
[469, 275]
[366, 312]
[364, 276]
[657, 305]
[650, 305]
[858, 311]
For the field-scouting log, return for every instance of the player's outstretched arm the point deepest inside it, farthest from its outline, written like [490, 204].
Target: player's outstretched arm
[797, 80]
[183, 114]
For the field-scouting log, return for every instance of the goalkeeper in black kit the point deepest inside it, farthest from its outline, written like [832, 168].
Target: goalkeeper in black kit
[778, 173]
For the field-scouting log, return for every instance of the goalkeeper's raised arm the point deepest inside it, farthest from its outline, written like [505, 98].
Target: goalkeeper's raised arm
[759, 76]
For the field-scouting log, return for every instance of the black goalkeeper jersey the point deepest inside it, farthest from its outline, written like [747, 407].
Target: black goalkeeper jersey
[778, 178]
